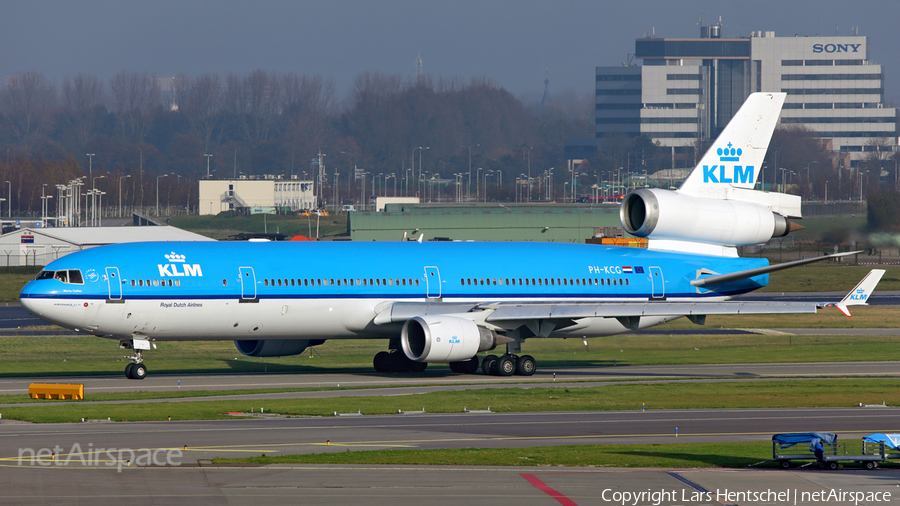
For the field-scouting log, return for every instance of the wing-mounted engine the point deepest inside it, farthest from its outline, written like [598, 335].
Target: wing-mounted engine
[445, 338]
[275, 347]
[674, 216]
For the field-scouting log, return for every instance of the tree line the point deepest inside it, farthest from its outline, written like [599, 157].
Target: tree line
[141, 127]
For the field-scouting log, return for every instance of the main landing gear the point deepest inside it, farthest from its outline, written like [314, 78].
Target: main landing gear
[509, 364]
[136, 370]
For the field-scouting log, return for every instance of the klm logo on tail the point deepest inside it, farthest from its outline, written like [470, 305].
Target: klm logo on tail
[728, 173]
[860, 295]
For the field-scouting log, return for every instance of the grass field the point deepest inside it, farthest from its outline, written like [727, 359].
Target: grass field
[704, 455]
[222, 226]
[729, 394]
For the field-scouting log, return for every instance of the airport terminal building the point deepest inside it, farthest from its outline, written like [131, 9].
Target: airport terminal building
[686, 90]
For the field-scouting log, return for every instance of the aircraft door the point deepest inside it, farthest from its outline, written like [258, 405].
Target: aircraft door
[114, 282]
[657, 283]
[248, 283]
[432, 283]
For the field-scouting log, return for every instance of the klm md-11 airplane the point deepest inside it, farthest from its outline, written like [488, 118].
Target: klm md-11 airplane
[446, 302]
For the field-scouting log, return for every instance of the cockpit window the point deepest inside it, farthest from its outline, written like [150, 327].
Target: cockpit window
[71, 276]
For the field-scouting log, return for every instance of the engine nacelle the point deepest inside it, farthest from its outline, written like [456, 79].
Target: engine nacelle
[442, 338]
[275, 347]
[663, 214]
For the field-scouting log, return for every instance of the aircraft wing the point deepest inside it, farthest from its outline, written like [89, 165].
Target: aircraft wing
[627, 312]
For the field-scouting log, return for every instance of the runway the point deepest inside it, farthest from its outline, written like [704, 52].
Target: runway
[184, 481]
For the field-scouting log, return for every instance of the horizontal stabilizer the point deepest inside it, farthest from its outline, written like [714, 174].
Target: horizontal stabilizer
[749, 273]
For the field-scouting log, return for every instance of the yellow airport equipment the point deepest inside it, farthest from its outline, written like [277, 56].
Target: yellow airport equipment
[55, 391]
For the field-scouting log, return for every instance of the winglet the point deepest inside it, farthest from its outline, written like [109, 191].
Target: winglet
[421, 236]
[860, 293]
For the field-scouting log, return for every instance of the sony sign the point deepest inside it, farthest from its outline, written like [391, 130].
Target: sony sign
[836, 48]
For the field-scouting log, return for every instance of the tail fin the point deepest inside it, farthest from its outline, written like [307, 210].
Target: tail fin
[737, 155]
[860, 293]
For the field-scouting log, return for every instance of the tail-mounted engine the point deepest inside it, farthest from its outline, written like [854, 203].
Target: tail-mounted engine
[663, 214]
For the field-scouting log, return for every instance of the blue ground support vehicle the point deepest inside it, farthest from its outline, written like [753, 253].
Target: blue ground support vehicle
[796, 446]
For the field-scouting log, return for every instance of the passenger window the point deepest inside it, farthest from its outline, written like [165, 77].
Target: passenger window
[627, 282]
[224, 282]
[292, 281]
[155, 282]
[140, 282]
[620, 281]
[177, 282]
[417, 281]
[377, 282]
[391, 282]
[266, 282]
[170, 282]
[133, 282]
[279, 282]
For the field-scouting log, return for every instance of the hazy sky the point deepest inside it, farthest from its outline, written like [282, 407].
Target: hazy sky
[510, 41]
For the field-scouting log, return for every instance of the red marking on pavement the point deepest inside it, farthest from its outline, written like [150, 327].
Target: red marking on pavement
[543, 487]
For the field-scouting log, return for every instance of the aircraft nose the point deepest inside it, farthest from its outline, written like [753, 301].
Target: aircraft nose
[25, 298]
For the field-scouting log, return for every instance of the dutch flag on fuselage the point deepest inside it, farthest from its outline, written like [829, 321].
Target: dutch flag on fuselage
[627, 270]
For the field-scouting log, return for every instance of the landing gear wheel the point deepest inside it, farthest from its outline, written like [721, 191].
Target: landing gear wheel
[381, 361]
[417, 366]
[397, 362]
[487, 365]
[505, 365]
[128, 369]
[869, 465]
[465, 366]
[785, 464]
[832, 465]
[138, 372]
[525, 365]
[470, 366]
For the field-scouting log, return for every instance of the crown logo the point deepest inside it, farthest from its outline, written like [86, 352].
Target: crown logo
[860, 290]
[174, 257]
[729, 154]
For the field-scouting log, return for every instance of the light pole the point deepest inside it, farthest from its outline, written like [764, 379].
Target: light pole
[826, 191]
[420, 148]
[157, 193]
[93, 189]
[9, 197]
[208, 156]
[90, 163]
[782, 169]
[100, 195]
[120, 193]
[549, 183]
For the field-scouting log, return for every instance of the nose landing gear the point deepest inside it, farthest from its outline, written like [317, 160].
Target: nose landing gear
[136, 370]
